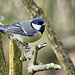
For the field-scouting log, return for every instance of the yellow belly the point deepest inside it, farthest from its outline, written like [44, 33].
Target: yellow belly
[28, 39]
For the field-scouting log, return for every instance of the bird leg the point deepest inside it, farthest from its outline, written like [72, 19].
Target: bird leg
[26, 46]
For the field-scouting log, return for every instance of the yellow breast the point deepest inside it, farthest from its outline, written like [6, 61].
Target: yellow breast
[28, 39]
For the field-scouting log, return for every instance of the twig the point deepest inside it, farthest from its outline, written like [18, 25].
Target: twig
[3, 65]
[35, 68]
[35, 55]
[35, 65]
[56, 44]
[36, 48]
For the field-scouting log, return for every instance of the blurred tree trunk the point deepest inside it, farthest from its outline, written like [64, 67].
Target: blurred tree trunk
[3, 66]
[15, 65]
[14, 9]
[61, 14]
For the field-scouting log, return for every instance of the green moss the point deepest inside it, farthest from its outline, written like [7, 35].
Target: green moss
[15, 63]
[3, 66]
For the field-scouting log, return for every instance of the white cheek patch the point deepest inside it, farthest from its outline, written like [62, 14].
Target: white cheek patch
[37, 27]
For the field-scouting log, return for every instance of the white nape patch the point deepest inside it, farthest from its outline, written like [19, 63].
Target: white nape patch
[37, 27]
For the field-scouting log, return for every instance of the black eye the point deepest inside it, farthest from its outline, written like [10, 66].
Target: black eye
[40, 23]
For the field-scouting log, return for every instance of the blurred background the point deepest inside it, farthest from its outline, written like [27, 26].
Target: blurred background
[60, 13]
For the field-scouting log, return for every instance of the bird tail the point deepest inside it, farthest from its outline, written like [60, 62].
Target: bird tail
[3, 27]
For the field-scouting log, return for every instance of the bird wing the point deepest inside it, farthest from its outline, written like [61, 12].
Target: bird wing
[22, 28]
[15, 28]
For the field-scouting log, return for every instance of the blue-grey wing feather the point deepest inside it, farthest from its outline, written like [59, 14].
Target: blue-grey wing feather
[22, 28]
[15, 28]
[27, 27]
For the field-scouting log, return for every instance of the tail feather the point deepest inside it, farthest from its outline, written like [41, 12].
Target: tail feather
[3, 27]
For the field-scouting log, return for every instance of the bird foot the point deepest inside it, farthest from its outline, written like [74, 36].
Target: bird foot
[26, 46]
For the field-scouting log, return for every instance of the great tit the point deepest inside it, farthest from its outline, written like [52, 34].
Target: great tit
[27, 31]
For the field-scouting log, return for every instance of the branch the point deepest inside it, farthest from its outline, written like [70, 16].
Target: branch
[3, 66]
[35, 68]
[36, 48]
[57, 46]
[15, 65]
[35, 65]
[31, 54]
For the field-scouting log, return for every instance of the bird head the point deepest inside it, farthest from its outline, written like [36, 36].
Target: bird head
[38, 24]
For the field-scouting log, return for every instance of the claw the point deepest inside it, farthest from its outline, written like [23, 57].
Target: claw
[27, 47]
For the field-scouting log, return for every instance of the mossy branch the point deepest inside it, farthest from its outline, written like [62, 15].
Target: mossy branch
[35, 65]
[3, 65]
[35, 68]
[31, 55]
[15, 65]
[56, 44]
[36, 48]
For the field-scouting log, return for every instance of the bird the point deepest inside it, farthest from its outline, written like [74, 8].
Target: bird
[27, 31]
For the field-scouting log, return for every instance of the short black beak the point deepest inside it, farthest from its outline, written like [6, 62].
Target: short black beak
[43, 24]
